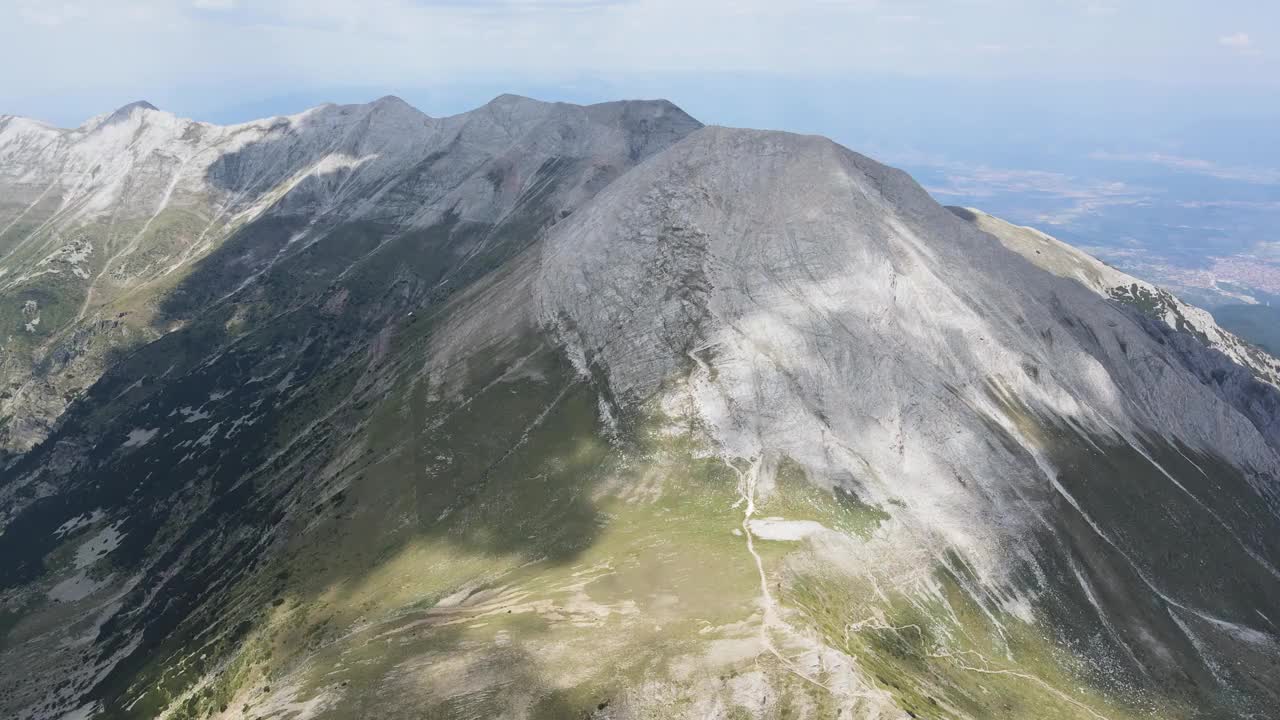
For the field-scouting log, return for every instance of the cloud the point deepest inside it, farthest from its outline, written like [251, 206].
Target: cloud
[51, 14]
[229, 50]
[1238, 41]
[1251, 175]
[963, 179]
[1231, 204]
[1072, 197]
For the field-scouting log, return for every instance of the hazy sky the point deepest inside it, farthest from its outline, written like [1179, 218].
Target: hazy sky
[67, 59]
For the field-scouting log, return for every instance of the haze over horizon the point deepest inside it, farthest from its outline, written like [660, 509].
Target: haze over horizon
[210, 56]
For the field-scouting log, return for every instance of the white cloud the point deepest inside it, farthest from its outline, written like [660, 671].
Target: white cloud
[1240, 42]
[982, 181]
[273, 47]
[1231, 204]
[1252, 175]
[1073, 197]
[51, 14]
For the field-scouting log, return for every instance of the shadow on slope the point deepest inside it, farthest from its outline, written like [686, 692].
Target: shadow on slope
[232, 417]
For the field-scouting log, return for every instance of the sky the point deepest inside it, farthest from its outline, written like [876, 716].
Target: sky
[1102, 120]
[67, 59]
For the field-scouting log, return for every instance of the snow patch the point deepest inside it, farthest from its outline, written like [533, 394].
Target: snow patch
[340, 161]
[243, 421]
[209, 434]
[84, 712]
[285, 383]
[140, 436]
[75, 588]
[103, 542]
[773, 528]
[193, 414]
[78, 522]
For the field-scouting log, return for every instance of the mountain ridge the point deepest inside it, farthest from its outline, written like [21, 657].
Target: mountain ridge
[171, 194]
[381, 102]
[595, 411]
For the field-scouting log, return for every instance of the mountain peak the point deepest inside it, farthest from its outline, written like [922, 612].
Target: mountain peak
[124, 112]
[513, 99]
[391, 101]
[390, 108]
[509, 102]
[137, 105]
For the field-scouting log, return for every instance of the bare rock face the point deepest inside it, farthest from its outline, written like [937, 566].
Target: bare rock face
[99, 224]
[546, 411]
[1157, 304]
[754, 264]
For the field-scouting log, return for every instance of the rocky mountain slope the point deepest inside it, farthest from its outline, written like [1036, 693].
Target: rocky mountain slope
[547, 411]
[1065, 261]
[101, 226]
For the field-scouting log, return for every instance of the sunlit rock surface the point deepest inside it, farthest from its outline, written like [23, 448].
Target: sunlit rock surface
[547, 411]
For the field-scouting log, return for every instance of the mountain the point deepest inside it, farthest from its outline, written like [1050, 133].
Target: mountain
[100, 226]
[1259, 324]
[549, 411]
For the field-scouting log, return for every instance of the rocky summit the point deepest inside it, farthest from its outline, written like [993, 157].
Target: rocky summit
[555, 411]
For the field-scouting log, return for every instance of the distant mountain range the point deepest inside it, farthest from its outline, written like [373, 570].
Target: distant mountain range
[559, 411]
